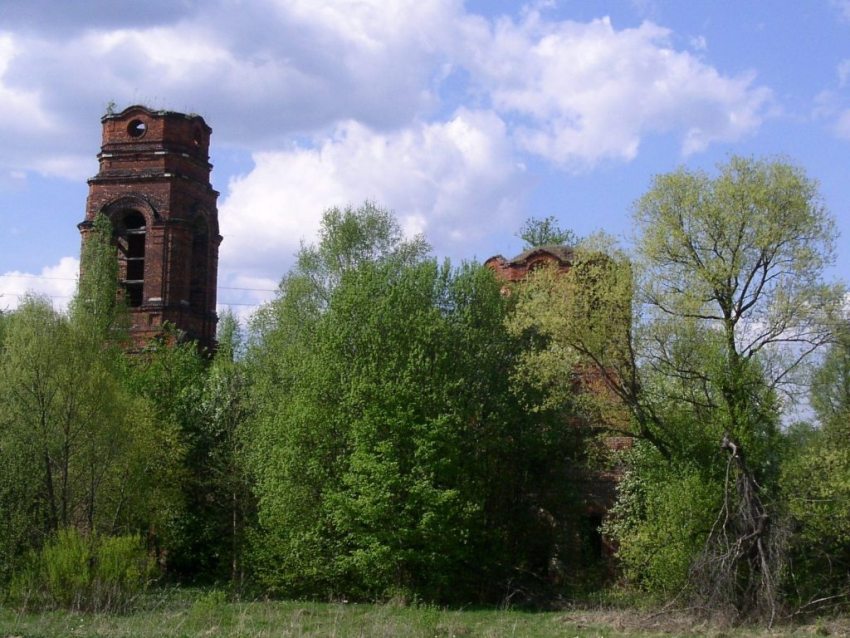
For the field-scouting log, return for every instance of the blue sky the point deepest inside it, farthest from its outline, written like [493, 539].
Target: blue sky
[464, 118]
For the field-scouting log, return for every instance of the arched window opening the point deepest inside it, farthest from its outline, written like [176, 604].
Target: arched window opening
[539, 264]
[200, 266]
[133, 247]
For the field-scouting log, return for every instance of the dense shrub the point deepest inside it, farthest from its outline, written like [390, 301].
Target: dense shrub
[661, 521]
[93, 573]
[393, 455]
[816, 484]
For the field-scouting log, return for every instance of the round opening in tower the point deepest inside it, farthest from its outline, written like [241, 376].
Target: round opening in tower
[136, 128]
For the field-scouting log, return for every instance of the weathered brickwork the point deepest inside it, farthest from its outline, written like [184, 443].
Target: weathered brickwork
[154, 186]
[597, 488]
[517, 269]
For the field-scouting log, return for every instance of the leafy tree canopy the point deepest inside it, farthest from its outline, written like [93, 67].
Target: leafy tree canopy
[390, 452]
[545, 231]
[830, 394]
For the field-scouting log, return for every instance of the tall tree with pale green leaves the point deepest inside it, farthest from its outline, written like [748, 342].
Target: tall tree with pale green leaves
[742, 254]
[707, 326]
[724, 300]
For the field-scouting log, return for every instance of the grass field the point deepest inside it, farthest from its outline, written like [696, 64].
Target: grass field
[211, 616]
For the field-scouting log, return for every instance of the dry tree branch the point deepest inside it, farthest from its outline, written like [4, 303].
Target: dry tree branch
[738, 571]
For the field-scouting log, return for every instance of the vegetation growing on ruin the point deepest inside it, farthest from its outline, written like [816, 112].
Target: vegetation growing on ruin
[391, 427]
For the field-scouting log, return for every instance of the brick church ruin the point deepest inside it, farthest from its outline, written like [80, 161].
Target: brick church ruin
[154, 186]
[518, 268]
[596, 488]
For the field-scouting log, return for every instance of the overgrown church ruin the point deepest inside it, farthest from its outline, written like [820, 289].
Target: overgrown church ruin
[154, 186]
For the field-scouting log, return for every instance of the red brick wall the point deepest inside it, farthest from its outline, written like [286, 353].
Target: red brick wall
[596, 488]
[161, 170]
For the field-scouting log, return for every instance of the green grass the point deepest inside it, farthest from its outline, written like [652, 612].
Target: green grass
[209, 615]
[296, 619]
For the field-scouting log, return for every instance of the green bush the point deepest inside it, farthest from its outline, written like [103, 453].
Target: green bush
[661, 521]
[92, 573]
[816, 486]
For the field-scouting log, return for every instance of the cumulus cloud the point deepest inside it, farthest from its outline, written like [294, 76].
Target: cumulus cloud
[420, 105]
[587, 92]
[260, 74]
[456, 181]
[16, 105]
[57, 282]
[33, 137]
[572, 92]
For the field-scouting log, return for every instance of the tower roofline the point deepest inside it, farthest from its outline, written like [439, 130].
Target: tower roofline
[135, 109]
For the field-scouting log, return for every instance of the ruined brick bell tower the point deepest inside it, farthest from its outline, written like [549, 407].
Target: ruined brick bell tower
[154, 186]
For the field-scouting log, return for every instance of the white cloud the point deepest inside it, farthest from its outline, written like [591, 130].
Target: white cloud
[843, 8]
[18, 107]
[586, 92]
[572, 92]
[33, 137]
[699, 43]
[831, 105]
[57, 282]
[843, 72]
[259, 74]
[842, 125]
[456, 181]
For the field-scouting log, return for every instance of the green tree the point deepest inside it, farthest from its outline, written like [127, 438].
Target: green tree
[80, 449]
[96, 306]
[296, 440]
[743, 254]
[223, 408]
[830, 393]
[740, 259]
[545, 232]
[816, 490]
[816, 486]
[722, 305]
[715, 315]
[169, 375]
[390, 453]
[347, 239]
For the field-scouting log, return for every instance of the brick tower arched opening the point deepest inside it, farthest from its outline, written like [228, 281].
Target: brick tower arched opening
[154, 186]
